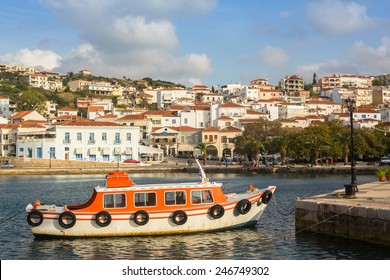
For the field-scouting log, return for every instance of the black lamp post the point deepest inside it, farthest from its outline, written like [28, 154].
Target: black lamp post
[351, 188]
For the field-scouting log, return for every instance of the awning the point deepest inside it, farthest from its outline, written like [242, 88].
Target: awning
[92, 151]
[117, 150]
[78, 151]
[129, 151]
[106, 151]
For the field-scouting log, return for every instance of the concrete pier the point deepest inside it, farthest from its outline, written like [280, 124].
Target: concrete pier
[365, 218]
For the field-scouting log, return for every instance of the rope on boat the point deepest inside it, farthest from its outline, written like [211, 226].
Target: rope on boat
[1, 222]
[320, 222]
[283, 211]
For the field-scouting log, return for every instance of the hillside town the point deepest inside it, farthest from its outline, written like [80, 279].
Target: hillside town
[113, 121]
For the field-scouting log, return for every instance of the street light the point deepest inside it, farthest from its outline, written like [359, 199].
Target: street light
[350, 189]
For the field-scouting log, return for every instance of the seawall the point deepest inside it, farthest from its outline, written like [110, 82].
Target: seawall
[365, 218]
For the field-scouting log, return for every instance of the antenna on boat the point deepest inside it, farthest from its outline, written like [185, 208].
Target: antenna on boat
[202, 174]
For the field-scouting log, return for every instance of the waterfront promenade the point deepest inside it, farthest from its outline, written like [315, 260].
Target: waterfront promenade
[365, 217]
[53, 167]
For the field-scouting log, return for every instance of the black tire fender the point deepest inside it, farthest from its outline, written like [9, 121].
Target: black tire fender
[143, 215]
[103, 218]
[179, 217]
[243, 206]
[34, 215]
[67, 215]
[266, 197]
[217, 211]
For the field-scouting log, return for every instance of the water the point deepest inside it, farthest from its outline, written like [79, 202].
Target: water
[272, 239]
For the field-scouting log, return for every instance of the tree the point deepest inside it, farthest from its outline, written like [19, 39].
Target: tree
[31, 100]
[282, 142]
[344, 139]
[203, 148]
[377, 83]
[317, 139]
[314, 79]
[255, 146]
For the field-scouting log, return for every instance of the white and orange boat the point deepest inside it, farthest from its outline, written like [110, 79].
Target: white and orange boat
[122, 208]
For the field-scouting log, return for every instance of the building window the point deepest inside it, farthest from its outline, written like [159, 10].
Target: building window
[114, 200]
[117, 138]
[202, 196]
[79, 156]
[128, 137]
[175, 198]
[104, 137]
[39, 152]
[173, 121]
[92, 157]
[186, 121]
[106, 158]
[145, 199]
[117, 158]
[79, 136]
[67, 138]
[91, 138]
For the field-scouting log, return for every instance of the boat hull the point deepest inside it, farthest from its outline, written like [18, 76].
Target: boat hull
[197, 219]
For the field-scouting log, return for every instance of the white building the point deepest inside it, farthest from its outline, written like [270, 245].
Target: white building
[197, 117]
[288, 111]
[169, 96]
[4, 107]
[81, 140]
[323, 107]
[230, 90]
[249, 93]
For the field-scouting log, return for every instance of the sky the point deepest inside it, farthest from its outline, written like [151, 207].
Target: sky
[210, 42]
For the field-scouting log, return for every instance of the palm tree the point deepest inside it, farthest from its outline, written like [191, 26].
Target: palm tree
[203, 148]
[255, 146]
[344, 139]
[282, 141]
[316, 143]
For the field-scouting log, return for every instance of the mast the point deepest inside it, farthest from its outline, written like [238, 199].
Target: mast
[202, 174]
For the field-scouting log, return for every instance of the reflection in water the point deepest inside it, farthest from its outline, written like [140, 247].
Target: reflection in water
[249, 243]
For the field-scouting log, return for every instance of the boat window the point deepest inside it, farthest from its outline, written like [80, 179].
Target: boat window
[175, 198]
[114, 200]
[201, 196]
[144, 199]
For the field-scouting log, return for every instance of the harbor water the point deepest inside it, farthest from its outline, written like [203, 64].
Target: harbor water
[273, 238]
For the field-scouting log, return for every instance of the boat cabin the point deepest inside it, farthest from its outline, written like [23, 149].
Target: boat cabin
[121, 195]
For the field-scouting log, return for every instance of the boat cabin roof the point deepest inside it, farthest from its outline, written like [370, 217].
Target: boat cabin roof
[159, 187]
[120, 181]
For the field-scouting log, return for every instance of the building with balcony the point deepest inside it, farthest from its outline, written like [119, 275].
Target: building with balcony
[80, 140]
[348, 81]
[291, 84]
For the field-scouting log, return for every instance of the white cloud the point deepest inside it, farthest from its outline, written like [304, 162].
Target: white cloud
[45, 59]
[338, 17]
[274, 57]
[131, 38]
[372, 59]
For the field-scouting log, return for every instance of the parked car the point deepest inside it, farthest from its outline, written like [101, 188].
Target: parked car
[384, 160]
[7, 165]
[131, 161]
